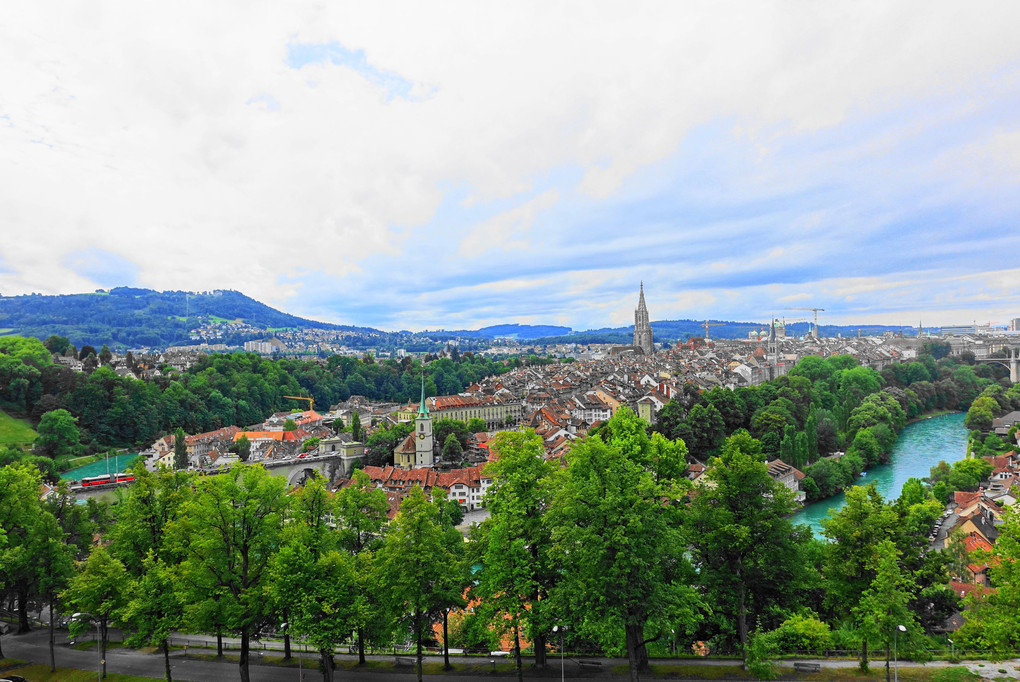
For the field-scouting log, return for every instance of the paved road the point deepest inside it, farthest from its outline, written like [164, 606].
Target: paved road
[34, 647]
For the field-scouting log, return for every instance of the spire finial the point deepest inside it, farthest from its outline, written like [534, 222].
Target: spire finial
[423, 410]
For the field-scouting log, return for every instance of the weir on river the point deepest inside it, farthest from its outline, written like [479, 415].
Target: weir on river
[918, 448]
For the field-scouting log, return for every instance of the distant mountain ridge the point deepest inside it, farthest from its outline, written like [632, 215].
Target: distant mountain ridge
[129, 317]
[126, 317]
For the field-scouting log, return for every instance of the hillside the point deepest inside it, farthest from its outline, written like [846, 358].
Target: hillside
[128, 317]
[15, 431]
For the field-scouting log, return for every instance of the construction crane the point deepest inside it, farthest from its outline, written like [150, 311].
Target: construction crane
[708, 324]
[816, 311]
[301, 397]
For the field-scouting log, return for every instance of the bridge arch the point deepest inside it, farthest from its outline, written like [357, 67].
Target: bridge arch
[301, 474]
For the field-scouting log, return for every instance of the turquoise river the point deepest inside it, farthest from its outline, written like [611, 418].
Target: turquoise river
[919, 447]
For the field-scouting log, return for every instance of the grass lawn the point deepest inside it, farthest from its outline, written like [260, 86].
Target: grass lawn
[15, 431]
[41, 673]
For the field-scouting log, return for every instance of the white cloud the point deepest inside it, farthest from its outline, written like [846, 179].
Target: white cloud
[177, 137]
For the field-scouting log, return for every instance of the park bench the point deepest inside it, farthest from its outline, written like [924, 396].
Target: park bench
[589, 665]
[405, 660]
[803, 667]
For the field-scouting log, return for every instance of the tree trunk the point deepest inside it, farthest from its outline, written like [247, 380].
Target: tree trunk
[361, 646]
[887, 662]
[742, 621]
[446, 641]
[166, 659]
[104, 634]
[53, 651]
[864, 655]
[417, 634]
[634, 634]
[23, 625]
[242, 660]
[517, 653]
[286, 644]
[219, 644]
[326, 658]
[540, 653]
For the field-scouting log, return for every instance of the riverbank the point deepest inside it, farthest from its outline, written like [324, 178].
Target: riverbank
[929, 415]
[919, 446]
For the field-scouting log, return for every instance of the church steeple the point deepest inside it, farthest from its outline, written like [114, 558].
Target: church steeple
[423, 409]
[642, 326]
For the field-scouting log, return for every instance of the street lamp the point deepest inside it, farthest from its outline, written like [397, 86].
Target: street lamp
[99, 642]
[951, 649]
[896, 671]
[560, 629]
[300, 672]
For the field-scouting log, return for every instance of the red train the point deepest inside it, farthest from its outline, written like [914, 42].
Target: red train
[105, 479]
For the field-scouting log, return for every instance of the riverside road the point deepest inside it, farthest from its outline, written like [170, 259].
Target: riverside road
[34, 647]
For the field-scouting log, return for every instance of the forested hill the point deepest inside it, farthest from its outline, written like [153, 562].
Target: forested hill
[127, 317]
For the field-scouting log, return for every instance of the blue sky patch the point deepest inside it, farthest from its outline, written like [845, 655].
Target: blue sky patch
[105, 268]
[300, 54]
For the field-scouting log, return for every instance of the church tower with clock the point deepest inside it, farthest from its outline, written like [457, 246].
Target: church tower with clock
[416, 450]
[423, 456]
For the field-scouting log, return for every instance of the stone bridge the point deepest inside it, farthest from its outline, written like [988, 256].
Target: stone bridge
[1012, 363]
[331, 466]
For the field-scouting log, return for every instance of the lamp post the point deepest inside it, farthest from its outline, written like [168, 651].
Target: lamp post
[560, 629]
[300, 672]
[99, 642]
[952, 651]
[896, 671]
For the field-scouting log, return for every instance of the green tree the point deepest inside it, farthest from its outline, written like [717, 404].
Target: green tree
[154, 610]
[360, 510]
[452, 451]
[58, 434]
[476, 425]
[289, 425]
[356, 431]
[54, 562]
[99, 591]
[315, 579]
[855, 533]
[743, 544]
[993, 619]
[443, 428]
[415, 561]
[517, 576]
[180, 449]
[242, 448]
[618, 544]
[884, 607]
[228, 532]
[105, 356]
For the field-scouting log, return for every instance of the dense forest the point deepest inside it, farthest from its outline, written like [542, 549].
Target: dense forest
[831, 405]
[220, 390]
[616, 550]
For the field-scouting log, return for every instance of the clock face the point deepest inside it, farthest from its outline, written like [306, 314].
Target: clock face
[421, 436]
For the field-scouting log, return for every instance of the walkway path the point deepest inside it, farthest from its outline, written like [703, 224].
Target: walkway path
[34, 647]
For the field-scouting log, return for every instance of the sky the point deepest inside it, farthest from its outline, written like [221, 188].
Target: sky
[459, 164]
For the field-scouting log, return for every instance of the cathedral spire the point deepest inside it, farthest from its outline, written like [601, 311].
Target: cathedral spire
[423, 410]
[642, 325]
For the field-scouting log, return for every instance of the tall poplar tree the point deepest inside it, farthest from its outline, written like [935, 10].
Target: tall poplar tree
[228, 533]
[414, 565]
[617, 538]
[516, 572]
[744, 547]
